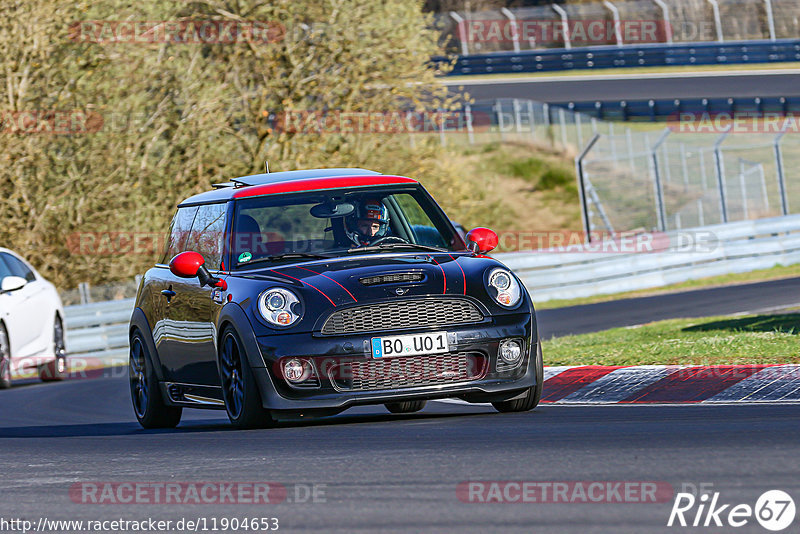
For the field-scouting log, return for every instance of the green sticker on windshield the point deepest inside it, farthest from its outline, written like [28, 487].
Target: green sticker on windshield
[244, 257]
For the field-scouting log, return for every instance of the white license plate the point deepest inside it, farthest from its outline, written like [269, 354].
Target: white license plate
[409, 345]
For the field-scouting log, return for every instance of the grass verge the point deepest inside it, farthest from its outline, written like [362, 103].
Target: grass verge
[709, 341]
[761, 275]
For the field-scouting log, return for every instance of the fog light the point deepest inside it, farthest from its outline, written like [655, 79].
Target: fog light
[510, 351]
[296, 370]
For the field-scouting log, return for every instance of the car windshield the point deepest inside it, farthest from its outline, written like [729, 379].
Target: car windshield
[335, 223]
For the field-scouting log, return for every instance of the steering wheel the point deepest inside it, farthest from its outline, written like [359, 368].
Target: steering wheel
[388, 239]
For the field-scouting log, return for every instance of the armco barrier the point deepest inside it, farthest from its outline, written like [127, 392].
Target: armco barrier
[645, 55]
[99, 331]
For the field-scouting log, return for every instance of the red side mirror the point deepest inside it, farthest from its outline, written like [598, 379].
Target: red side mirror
[186, 264]
[481, 240]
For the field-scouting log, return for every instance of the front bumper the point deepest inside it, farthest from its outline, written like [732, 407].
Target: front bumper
[485, 383]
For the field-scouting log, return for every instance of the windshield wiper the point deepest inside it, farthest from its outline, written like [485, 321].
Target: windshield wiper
[288, 255]
[390, 246]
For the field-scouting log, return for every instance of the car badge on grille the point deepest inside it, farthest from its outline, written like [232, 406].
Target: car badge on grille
[400, 291]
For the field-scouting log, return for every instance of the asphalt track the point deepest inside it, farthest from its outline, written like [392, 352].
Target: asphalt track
[378, 472]
[637, 87]
[760, 297]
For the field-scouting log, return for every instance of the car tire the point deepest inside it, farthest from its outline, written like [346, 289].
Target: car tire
[56, 369]
[148, 404]
[5, 359]
[406, 406]
[533, 394]
[239, 389]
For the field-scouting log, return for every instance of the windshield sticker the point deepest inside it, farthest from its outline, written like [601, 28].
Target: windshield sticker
[244, 257]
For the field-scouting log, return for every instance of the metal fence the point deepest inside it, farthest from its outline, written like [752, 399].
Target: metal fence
[652, 181]
[674, 21]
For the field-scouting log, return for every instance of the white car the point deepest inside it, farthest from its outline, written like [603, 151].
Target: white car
[31, 322]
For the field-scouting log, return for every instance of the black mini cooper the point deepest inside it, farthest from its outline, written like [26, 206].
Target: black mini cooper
[302, 293]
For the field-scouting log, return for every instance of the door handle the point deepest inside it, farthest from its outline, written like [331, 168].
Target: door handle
[168, 293]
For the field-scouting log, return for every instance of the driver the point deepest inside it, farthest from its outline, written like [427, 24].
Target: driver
[370, 224]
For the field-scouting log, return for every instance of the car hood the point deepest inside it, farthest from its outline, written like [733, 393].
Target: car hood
[344, 281]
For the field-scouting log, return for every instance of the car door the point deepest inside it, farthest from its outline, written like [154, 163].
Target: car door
[28, 320]
[193, 309]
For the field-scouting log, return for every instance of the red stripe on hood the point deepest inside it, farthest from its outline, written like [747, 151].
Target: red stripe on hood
[331, 279]
[304, 282]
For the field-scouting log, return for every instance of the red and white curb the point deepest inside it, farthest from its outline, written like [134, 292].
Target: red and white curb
[651, 384]
[671, 384]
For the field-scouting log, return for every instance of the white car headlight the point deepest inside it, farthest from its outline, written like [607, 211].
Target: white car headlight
[504, 287]
[279, 306]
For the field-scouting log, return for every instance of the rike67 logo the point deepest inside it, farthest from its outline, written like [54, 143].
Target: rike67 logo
[774, 510]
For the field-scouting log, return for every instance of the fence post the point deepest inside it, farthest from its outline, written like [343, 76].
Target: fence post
[470, 131]
[703, 168]
[462, 32]
[685, 168]
[579, 128]
[629, 142]
[582, 187]
[720, 169]
[500, 124]
[665, 18]
[717, 19]
[770, 19]
[661, 211]
[743, 188]
[530, 119]
[700, 217]
[562, 121]
[565, 22]
[781, 178]
[517, 118]
[514, 27]
[617, 24]
[83, 291]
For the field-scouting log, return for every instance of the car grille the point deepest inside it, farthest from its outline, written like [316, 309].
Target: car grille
[409, 371]
[404, 314]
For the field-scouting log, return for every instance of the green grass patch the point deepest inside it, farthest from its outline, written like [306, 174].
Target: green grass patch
[761, 275]
[708, 341]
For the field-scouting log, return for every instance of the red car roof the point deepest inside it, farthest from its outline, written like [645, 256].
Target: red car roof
[295, 186]
[319, 184]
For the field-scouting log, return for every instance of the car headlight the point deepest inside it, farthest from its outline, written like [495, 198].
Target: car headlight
[504, 287]
[279, 307]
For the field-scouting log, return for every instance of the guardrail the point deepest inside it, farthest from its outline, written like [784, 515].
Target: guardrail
[98, 332]
[738, 247]
[645, 55]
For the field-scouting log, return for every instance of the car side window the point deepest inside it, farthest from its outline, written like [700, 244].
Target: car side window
[18, 268]
[4, 270]
[179, 232]
[423, 229]
[208, 234]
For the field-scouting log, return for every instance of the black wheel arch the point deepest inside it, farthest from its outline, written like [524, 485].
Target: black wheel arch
[139, 322]
[232, 315]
